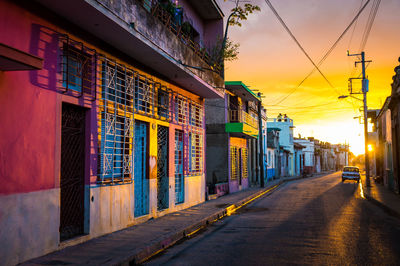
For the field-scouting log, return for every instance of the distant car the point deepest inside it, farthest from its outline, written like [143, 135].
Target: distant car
[351, 173]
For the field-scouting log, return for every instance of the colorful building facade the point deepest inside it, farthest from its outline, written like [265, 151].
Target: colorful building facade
[102, 123]
[285, 124]
[232, 132]
[385, 146]
[273, 159]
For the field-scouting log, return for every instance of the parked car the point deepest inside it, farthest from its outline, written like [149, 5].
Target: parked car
[351, 173]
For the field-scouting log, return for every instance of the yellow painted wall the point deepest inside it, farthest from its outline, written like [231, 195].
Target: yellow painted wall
[238, 142]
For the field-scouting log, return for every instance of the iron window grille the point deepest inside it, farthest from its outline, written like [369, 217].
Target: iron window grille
[144, 95]
[196, 153]
[244, 163]
[124, 92]
[78, 68]
[196, 115]
[181, 109]
[116, 123]
[234, 163]
[163, 102]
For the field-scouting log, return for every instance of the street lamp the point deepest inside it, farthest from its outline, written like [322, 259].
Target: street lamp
[345, 96]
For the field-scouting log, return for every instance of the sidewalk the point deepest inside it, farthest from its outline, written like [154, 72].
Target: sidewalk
[382, 197]
[135, 244]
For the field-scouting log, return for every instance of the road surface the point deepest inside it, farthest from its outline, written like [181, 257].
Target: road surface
[317, 220]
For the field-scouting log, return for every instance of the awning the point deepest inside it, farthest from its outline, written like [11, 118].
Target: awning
[12, 59]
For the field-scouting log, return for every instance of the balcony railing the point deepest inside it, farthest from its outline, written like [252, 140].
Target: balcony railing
[174, 25]
[240, 116]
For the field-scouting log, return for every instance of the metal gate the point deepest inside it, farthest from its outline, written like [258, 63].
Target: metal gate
[179, 178]
[141, 181]
[72, 171]
[162, 168]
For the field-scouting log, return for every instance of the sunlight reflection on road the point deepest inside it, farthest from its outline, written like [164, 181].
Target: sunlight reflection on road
[361, 190]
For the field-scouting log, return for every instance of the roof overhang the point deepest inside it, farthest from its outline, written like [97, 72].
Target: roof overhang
[208, 9]
[241, 90]
[12, 59]
[269, 129]
[298, 146]
[385, 106]
[91, 16]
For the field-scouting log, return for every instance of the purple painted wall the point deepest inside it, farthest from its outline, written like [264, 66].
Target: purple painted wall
[210, 30]
[193, 17]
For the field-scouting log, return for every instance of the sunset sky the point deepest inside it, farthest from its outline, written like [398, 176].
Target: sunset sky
[272, 63]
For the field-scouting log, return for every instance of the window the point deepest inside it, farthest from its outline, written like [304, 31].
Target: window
[144, 95]
[116, 123]
[162, 102]
[234, 163]
[196, 154]
[181, 110]
[269, 157]
[116, 142]
[244, 162]
[78, 66]
[196, 116]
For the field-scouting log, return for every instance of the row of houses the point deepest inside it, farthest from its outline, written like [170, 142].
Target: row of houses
[384, 138]
[116, 112]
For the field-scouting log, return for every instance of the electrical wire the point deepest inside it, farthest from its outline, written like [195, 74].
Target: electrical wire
[326, 54]
[349, 44]
[295, 39]
[370, 22]
[303, 107]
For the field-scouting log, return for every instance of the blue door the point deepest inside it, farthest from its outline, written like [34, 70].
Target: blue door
[179, 178]
[141, 181]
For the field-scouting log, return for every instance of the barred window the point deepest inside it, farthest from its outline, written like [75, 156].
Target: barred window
[181, 110]
[116, 123]
[78, 68]
[162, 102]
[234, 163]
[196, 115]
[196, 154]
[244, 154]
[144, 95]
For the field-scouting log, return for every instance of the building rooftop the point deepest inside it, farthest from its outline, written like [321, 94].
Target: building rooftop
[241, 90]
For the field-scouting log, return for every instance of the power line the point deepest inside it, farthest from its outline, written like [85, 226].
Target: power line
[303, 107]
[369, 24]
[327, 53]
[354, 28]
[296, 41]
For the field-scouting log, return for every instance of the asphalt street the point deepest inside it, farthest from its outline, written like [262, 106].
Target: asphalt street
[317, 220]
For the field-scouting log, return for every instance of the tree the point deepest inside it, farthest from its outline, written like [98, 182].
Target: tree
[229, 50]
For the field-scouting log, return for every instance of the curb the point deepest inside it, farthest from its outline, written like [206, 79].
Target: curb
[151, 250]
[384, 207]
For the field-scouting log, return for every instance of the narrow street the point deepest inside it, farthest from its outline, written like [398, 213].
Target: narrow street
[317, 220]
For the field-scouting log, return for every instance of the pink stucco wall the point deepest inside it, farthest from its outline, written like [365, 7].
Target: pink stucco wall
[27, 107]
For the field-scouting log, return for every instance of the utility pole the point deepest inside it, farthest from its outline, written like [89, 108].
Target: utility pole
[365, 85]
[260, 142]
